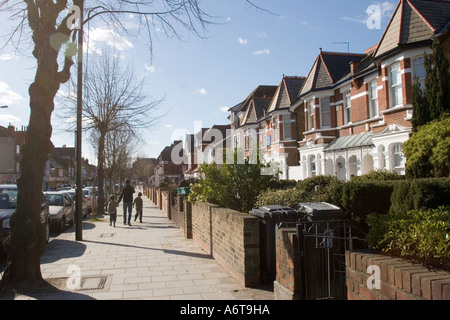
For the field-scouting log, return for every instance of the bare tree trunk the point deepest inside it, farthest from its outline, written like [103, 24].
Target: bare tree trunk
[101, 174]
[26, 242]
[27, 238]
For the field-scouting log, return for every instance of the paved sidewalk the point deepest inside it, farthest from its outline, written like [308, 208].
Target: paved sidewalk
[149, 260]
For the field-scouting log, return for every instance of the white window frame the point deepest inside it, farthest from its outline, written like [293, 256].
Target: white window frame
[312, 166]
[325, 112]
[310, 114]
[287, 129]
[395, 86]
[398, 158]
[373, 99]
[276, 129]
[347, 107]
[414, 70]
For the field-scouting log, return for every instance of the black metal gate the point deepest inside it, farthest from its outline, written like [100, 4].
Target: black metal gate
[322, 246]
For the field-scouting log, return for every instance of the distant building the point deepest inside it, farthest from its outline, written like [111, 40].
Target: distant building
[166, 169]
[11, 143]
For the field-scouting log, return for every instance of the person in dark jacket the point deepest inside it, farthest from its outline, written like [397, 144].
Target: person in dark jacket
[127, 196]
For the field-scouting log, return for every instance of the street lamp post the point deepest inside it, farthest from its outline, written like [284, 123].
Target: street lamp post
[79, 191]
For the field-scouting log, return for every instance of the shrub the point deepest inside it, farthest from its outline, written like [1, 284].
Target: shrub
[361, 198]
[235, 186]
[379, 175]
[316, 189]
[427, 151]
[420, 194]
[420, 236]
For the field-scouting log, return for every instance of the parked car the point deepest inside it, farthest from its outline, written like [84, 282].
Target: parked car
[87, 192]
[72, 193]
[62, 209]
[8, 202]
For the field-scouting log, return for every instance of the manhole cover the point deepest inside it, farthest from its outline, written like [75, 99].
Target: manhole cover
[107, 235]
[87, 283]
[93, 283]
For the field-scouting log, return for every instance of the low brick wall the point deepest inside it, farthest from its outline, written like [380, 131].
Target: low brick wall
[400, 280]
[181, 212]
[287, 283]
[231, 238]
[177, 209]
[164, 205]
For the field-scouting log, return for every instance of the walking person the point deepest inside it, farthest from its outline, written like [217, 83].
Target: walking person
[112, 210]
[138, 203]
[127, 196]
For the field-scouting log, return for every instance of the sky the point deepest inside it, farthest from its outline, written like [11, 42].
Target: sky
[199, 79]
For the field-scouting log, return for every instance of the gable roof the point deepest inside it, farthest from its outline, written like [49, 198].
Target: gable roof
[262, 91]
[413, 21]
[436, 13]
[286, 93]
[328, 69]
[256, 111]
[256, 104]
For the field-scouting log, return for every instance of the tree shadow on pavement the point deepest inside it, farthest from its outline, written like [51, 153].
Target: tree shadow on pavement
[60, 249]
[169, 251]
[46, 291]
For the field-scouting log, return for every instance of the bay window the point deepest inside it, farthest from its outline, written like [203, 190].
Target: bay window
[396, 88]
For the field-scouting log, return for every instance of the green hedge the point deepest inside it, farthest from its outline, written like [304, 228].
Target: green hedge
[317, 189]
[361, 198]
[419, 194]
[422, 236]
[405, 218]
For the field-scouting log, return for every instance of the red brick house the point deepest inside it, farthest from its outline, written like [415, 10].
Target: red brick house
[280, 124]
[357, 107]
[168, 170]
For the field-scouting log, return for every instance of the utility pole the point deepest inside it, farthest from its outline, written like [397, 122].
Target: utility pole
[79, 191]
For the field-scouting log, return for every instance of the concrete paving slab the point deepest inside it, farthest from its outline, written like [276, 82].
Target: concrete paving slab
[145, 261]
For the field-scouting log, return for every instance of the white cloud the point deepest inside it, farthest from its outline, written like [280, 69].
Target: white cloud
[261, 52]
[168, 126]
[9, 118]
[224, 109]
[110, 37]
[201, 91]
[386, 10]
[149, 68]
[8, 57]
[8, 96]
[262, 35]
[243, 41]
[152, 143]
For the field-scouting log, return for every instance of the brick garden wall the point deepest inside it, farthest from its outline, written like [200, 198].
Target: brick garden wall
[400, 280]
[177, 209]
[231, 237]
[287, 283]
[181, 212]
